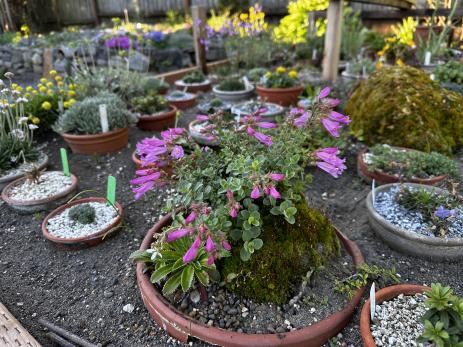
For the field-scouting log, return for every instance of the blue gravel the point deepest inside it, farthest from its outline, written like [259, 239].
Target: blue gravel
[412, 221]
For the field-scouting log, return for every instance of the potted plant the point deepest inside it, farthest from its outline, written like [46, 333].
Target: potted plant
[358, 69]
[214, 105]
[151, 84]
[18, 153]
[240, 218]
[255, 75]
[280, 87]
[270, 110]
[81, 128]
[39, 191]
[417, 219]
[82, 223]
[233, 89]
[194, 82]
[450, 75]
[154, 112]
[181, 100]
[388, 164]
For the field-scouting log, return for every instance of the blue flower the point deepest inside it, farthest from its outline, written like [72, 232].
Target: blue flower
[443, 213]
[156, 36]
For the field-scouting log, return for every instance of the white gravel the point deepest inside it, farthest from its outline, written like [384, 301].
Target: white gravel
[62, 226]
[397, 321]
[50, 184]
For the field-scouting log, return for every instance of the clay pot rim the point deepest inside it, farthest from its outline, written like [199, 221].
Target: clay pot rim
[435, 241]
[93, 136]
[10, 201]
[225, 337]
[191, 97]
[249, 89]
[381, 295]
[180, 83]
[96, 235]
[364, 168]
[279, 111]
[199, 135]
[280, 90]
[12, 177]
[163, 114]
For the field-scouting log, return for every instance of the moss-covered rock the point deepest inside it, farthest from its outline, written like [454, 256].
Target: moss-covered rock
[402, 106]
[289, 252]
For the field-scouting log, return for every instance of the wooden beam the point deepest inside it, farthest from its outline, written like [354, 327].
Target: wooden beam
[333, 40]
[403, 4]
[199, 17]
[399, 14]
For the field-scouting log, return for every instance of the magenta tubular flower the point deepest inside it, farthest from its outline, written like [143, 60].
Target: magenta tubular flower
[338, 117]
[324, 93]
[255, 194]
[202, 117]
[191, 218]
[262, 110]
[331, 126]
[210, 246]
[226, 245]
[146, 180]
[333, 170]
[234, 212]
[302, 120]
[277, 177]
[250, 131]
[177, 234]
[333, 102]
[267, 125]
[191, 254]
[274, 193]
[172, 133]
[141, 190]
[328, 150]
[202, 229]
[177, 152]
[210, 260]
[229, 195]
[266, 140]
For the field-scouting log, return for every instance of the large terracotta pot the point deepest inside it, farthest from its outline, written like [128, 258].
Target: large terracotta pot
[184, 104]
[86, 241]
[182, 327]
[384, 294]
[159, 121]
[281, 96]
[385, 178]
[101, 143]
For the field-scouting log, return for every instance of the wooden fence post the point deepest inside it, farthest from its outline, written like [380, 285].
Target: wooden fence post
[333, 40]
[94, 9]
[47, 62]
[199, 16]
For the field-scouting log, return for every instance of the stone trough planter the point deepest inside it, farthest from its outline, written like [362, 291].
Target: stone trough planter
[13, 175]
[182, 327]
[411, 243]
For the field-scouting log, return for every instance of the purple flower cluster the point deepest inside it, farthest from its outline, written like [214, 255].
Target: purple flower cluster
[267, 186]
[155, 36]
[335, 120]
[444, 213]
[254, 120]
[120, 42]
[329, 161]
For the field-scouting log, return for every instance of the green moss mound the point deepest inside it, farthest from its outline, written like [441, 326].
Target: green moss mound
[289, 252]
[402, 106]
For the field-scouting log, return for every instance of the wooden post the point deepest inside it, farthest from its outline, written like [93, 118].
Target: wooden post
[10, 23]
[199, 16]
[47, 62]
[94, 9]
[186, 6]
[333, 40]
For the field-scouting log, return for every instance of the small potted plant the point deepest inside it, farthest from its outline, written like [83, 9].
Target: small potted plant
[256, 74]
[270, 110]
[81, 125]
[151, 84]
[181, 100]
[233, 89]
[280, 87]
[358, 70]
[450, 75]
[388, 164]
[194, 82]
[154, 112]
[417, 219]
[214, 105]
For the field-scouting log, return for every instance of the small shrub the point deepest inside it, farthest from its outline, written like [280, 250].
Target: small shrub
[83, 213]
[34, 110]
[232, 85]
[254, 75]
[149, 104]
[194, 77]
[280, 78]
[152, 84]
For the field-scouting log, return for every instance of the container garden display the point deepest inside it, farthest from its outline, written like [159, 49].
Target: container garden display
[181, 100]
[249, 107]
[154, 112]
[81, 125]
[417, 219]
[239, 220]
[82, 223]
[388, 164]
[153, 85]
[194, 82]
[214, 105]
[39, 191]
[233, 89]
[280, 87]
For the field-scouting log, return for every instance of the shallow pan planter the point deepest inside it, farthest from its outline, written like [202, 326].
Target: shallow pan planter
[181, 327]
[6, 179]
[384, 294]
[280, 96]
[183, 104]
[159, 121]
[233, 96]
[86, 241]
[273, 110]
[101, 143]
[203, 87]
[198, 136]
[385, 178]
[411, 243]
[32, 206]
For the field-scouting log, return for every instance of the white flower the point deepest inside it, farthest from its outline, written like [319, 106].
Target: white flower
[22, 120]
[19, 100]
[18, 133]
[33, 126]
[2, 83]
[4, 90]
[15, 92]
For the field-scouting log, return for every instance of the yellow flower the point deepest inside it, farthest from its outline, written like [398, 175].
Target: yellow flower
[53, 73]
[399, 62]
[27, 95]
[14, 86]
[49, 84]
[380, 53]
[243, 16]
[292, 74]
[50, 92]
[72, 86]
[19, 89]
[60, 84]
[29, 88]
[36, 120]
[66, 104]
[34, 92]
[72, 102]
[71, 93]
[46, 105]
[280, 69]
[58, 78]
[268, 74]
[42, 89]
[43, 80]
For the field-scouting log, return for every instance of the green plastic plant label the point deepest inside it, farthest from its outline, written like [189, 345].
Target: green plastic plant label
[111, 191]
[64, 161]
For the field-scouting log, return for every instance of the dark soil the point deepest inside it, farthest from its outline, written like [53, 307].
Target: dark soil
[84, 291]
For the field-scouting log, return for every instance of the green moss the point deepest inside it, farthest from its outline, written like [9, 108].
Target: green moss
[288, 253]
[402, 106]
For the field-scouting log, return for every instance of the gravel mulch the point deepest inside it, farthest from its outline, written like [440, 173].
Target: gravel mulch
[49, 184]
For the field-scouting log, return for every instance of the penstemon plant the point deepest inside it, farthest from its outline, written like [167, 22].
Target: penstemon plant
[223, 193]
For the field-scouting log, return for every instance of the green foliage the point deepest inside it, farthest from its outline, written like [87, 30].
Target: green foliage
[418, 113]
[7, 37]
[84, 116]
[451, 72]
[358, 66]
[14, 152]
[353, 34]
[411, 164]
[82, 213]
[443, 321]
[194, 77]
[374, 41]
[254, 75]
[149, 104]
[33, 108]
[287, 253]
[250, 52]
[152, 84]
[232, 85]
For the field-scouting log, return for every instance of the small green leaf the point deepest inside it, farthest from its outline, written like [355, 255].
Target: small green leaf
[258, 243]
[187, 277]
[203, 277]
[172, 283]
[160, 273]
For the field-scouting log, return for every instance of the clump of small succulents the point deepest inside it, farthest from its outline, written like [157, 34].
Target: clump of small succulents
[82, 213]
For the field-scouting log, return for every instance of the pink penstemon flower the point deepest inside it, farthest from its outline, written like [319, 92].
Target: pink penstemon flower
[331, 126]
[226, 245]
[191, 218]
[338, 117]
[177, 234]
[277, 176]
[210, 246]
[330, 163]
[192, 252]
[324, 93]
[255, 194]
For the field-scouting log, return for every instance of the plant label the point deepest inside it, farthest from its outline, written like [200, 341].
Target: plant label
[432, 76]
[64, 162]
[238, 118]
[185, 89]
[427, 58]
[372, 302]
[246, 82]
[314, 54]
[373, 192]
[61, 106]
[111, 190]
[104, 118]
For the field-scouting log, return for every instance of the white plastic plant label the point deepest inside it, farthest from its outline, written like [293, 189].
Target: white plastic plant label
[104, 118]
[61, 106]
[372, 301]
[246, 82]
[314, 54]
[427, 58]
[373, 192]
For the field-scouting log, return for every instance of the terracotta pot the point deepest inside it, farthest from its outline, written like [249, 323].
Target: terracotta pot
[86, 241]
[8, 178]
[199, 137]
[384, 294]
[194, 88]
[101, 143]
[385, 178]
[233, 96]
[159, 121]
[281, 96]
[181, 327]
[32, 206]
[183, 104]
